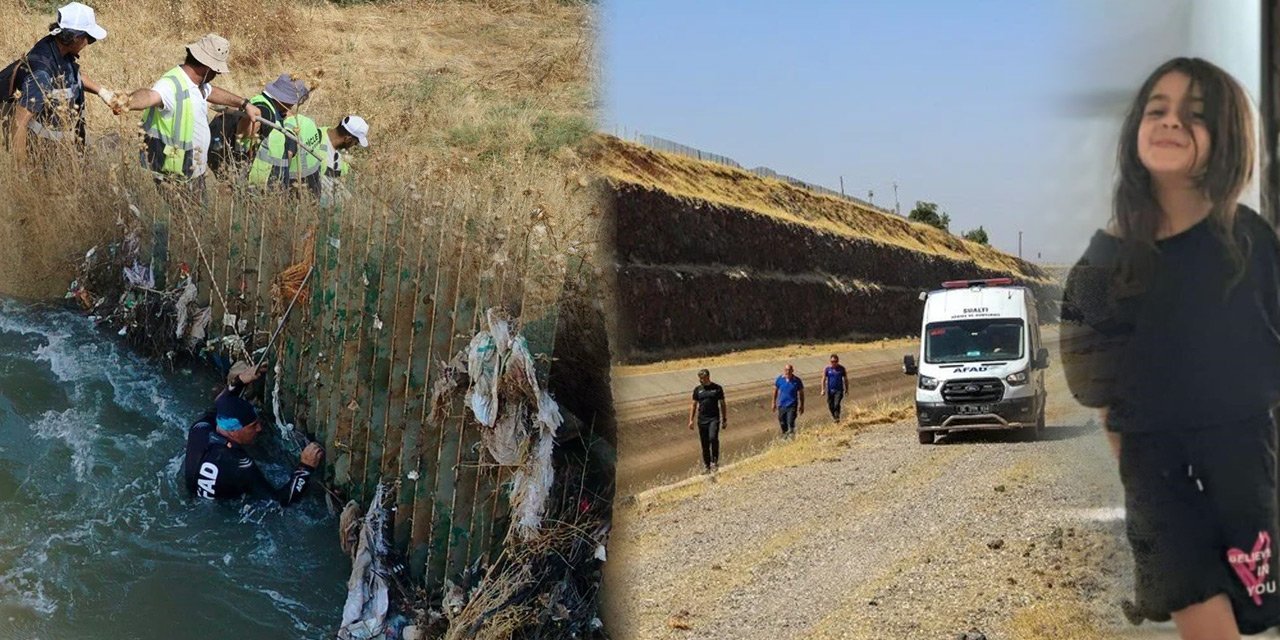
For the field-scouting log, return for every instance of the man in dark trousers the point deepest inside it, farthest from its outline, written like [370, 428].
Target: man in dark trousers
[835, 385]
[788, 400]
[709, 410]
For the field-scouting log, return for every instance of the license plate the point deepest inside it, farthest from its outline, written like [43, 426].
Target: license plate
[975, 408]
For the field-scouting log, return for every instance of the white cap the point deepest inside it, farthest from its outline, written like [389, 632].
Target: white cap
[356, 126]
[80, 17]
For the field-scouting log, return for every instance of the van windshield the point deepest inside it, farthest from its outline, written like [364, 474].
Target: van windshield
[984, 340]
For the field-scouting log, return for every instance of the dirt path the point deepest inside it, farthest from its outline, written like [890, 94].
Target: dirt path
[868, 534]
[655, 446]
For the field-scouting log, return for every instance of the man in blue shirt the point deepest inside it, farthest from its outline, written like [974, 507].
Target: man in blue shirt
[835, 385]
[788, 400]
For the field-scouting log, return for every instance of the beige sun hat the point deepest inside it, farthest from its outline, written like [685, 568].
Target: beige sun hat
[212, 51]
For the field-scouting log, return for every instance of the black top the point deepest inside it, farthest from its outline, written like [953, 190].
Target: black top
[1185, 353]
[708, 396]
[216, 468]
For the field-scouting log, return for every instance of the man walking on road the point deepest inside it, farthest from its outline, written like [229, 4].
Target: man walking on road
[835, 385]
[710, 411]
[788, 400]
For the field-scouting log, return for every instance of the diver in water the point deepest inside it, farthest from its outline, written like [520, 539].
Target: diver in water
[217, 466]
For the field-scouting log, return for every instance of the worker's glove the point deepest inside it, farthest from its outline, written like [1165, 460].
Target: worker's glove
[109, 98]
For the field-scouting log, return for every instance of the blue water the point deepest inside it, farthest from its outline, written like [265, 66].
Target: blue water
[98, 538]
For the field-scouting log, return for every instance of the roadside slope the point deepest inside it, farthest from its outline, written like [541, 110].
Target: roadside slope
[709, 259]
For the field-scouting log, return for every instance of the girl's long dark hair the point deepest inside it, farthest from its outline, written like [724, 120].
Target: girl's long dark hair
[1136, 213]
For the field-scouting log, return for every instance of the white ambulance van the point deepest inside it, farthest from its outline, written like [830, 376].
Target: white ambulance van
[981, 363]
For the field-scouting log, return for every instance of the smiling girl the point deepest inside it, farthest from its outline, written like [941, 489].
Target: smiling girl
[1178, 303]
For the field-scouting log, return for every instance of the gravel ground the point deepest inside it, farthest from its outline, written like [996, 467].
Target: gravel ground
[881, 537]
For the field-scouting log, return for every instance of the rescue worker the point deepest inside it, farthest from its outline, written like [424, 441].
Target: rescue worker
[51, 106]
[218, 467]
[350, 131]
[236, 138]
[291, 159]
[309, 156]
[176, 118]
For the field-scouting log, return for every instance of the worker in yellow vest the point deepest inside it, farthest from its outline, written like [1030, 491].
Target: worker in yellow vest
[236, 138]
[175, 122]
[289, 158]
[305, 155]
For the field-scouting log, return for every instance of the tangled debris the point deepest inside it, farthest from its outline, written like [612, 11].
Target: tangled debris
[117, 289]
[367, 595]
[546, 581]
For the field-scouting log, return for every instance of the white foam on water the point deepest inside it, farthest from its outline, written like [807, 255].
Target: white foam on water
[76, 429]
[76, 355]
[23, 592]
[287, 606]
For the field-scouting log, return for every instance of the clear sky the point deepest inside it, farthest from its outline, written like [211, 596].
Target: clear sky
[962, 103]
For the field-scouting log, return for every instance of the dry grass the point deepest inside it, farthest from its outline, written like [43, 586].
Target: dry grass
[1056, 620]
[626, 162]
[481, 97]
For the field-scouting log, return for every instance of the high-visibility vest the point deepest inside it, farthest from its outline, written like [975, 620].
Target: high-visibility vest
[250, 144]
[170, 138]
[281, 160]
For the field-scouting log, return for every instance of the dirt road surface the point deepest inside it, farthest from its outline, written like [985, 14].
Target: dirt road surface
[864, 533]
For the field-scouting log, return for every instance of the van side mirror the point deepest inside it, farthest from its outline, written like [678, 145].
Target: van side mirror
[909, 365]
[1042, 358]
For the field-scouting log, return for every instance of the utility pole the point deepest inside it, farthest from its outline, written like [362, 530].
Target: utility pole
[871, 197]
[1019, 245]
[897, 208]
[841, 186]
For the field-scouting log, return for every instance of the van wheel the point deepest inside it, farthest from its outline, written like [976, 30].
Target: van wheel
[926, 437]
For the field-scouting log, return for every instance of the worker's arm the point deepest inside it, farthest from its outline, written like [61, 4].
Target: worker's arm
[800, 394]
[106, 95]
[144, 99]
[18, 135]
[693, 411]
[845, 377]
[247, 128]
[292, 490]
[220, 96]
[825, 381]
[775, 397]
[724, 413]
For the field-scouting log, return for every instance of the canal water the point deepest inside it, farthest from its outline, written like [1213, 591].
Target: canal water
[98, 538]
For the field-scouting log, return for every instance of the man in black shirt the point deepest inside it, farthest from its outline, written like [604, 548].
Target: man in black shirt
[217, 466]
[709, 410]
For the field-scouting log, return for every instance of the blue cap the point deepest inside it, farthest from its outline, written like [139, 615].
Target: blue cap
[234, 412]
[287, 90]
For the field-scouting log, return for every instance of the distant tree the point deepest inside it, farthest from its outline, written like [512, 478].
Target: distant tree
[978, 235]
[927, 212]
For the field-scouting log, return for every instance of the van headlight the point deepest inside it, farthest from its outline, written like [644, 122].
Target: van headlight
[928, 383]
[1017, 379]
